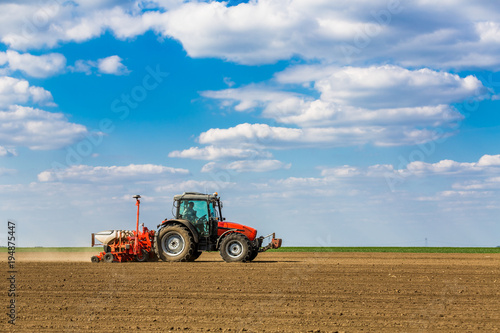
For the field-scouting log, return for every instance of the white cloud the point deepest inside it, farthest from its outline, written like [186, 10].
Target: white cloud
[451, 34]
[14, 91]
[110, 174]
[5, 171]
[218, 153]
[386, 86]
[109, 65]
[36, 66]
[383, 105]
[37, 129]
[203, 186]
[319, 113]
[489, 160]
[83, 66]
[382, 182]
[7, 152]
[265, 136]
[491, 183]
[485, 164]
[254, 134]
[266, 31]
[112, 65]
[249, 97]
[489, 31]
[250, 165]
[257, 165]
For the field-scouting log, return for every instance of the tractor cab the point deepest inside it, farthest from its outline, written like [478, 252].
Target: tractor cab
[203, 211]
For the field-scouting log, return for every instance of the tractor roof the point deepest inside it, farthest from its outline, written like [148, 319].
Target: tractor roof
[196, 196]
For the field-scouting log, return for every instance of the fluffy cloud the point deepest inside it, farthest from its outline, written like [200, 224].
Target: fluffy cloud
[218, 153]
[35, 25]
[5, 171]
[381, 87]
[265, 136]
[109, 65]
[251, 165]
[203, 186]
[250, 134]
[452, 34]
[475, 176]
[383, 105]
[7, 152]
[54, 63]
[109, 174]
[479, 180]
[37, 129]
[486, 165]
[32, 25]
[36, 66]
[14, 91]
[373, 95]
[250, 96]
[112, 65]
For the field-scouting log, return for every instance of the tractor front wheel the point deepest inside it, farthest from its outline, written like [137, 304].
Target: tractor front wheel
[253, 253]
[235, 247]
[175, 243]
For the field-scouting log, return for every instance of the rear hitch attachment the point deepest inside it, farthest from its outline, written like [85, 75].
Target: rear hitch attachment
[275, 243]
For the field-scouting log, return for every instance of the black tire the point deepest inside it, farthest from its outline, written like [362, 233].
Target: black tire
[108, 257]
[235, 247]
[143, 256]
[94, 259]
[175, 243]
[253, 253]
[107, 248]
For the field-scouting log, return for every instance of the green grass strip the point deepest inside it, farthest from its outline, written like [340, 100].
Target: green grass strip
[392, 249]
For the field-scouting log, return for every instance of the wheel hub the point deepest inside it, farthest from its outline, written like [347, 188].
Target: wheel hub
[173, 244]
[234, 249]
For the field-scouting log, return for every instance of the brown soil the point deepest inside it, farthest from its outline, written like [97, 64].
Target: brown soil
[279, 292]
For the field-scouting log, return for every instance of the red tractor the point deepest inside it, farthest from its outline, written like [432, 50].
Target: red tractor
[198, 226]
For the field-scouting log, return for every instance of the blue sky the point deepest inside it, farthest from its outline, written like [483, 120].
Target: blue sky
[346, 123]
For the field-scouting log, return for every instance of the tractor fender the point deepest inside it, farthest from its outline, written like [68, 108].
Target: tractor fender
[221, 237]
[182, 222]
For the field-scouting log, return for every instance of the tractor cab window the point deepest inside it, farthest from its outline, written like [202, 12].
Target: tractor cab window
[196, 212]
[193, 210]
[213, 211]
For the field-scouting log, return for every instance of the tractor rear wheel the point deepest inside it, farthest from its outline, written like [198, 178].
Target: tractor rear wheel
[235, 247]
[108, 257]
[175, 243]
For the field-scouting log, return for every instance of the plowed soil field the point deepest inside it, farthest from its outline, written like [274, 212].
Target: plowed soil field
[279, 292]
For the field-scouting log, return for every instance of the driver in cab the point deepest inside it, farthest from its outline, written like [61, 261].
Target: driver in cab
[189, 212]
